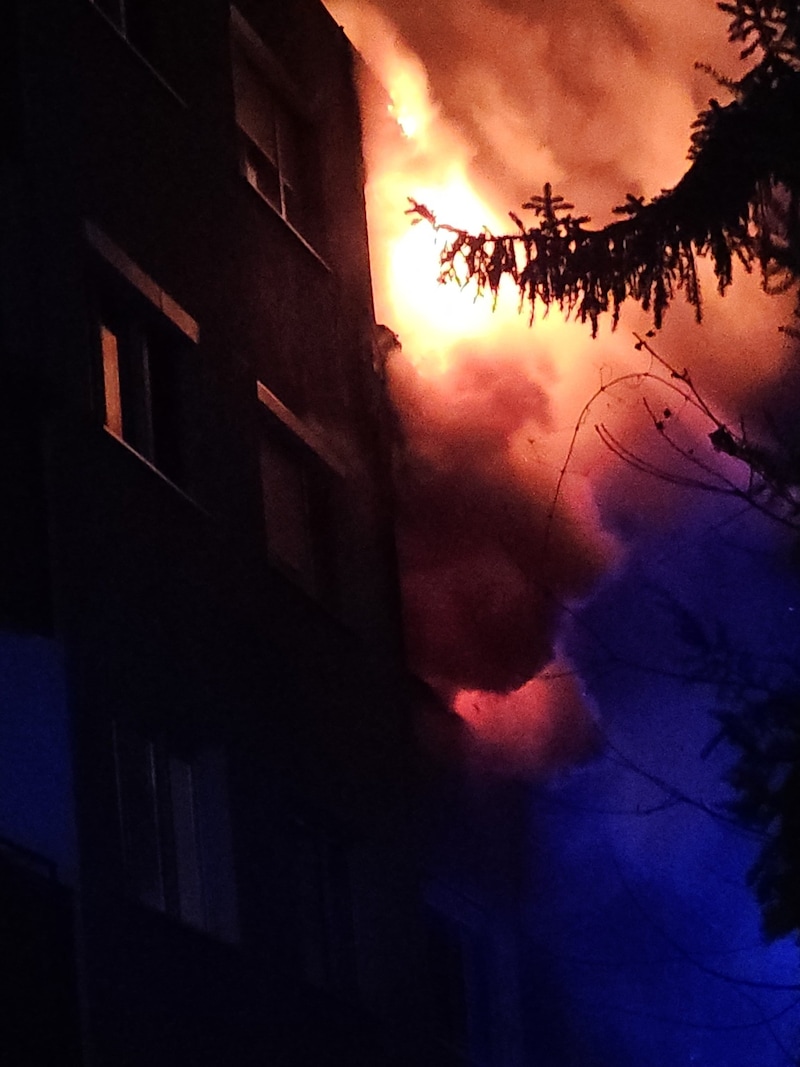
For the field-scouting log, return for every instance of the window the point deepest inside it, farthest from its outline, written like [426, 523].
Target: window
[175, 835]
[147, 363]
[299, 489]
[295, 511]
[276, 143]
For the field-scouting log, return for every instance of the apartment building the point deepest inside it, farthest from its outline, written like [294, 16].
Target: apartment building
[206, 752]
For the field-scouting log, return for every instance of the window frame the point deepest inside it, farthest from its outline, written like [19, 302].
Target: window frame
[462, 1006]
[118, 14]
[258, 165]
[188, 874]
[322, 474]
[145, 351]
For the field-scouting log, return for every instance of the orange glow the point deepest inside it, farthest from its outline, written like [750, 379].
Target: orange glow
[499, 535]
[540, 727]
[111, 385]
[415, 154]
[446, 401]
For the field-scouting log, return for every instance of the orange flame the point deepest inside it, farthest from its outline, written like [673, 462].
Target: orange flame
[413, 153]
[472, 435]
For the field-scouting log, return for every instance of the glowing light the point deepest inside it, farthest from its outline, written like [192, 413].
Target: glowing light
[434, 317]
[492, 411]
[408, 124]
[406, 82]
[468, 389]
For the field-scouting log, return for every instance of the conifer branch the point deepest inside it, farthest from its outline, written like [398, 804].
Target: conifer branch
[738, 200]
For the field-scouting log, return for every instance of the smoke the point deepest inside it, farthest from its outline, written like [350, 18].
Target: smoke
[676, 971]
[482, 589]
[600, 95]
[536, 564]
[510, 508]
[538, 729]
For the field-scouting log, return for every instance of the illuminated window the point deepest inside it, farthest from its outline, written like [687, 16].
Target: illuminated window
[175, 836]
[147, 362]
[111, 391]
[276, 143]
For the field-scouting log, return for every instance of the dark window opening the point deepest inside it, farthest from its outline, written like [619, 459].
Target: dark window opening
[447, 976]
[40, 992]
[25, 586]
[298, 495]
[142, 26]
[138, 798]
[10, 82]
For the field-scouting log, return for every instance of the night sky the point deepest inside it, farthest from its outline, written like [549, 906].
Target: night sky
[581, 648]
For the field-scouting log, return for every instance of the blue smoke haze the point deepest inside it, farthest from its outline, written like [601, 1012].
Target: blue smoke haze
[639, 913]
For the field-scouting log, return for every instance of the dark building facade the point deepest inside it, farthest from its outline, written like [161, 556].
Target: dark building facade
[207, 850]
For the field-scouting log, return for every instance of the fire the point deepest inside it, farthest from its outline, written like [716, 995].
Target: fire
[415, 154]
[500, 533]
[485, 440]
[409, 104]
[435, 317]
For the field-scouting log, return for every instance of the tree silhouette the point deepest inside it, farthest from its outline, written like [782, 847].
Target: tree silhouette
[766, 779]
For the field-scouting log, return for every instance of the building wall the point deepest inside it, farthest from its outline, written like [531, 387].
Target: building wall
[237, 721]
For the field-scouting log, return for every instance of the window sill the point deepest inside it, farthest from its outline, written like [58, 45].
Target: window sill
[163, 302]
[190, 500]
[314, 439]
[139, 56]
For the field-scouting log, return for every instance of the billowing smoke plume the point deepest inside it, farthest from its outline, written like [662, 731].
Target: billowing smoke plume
[511, 508]
[639, 921]
[599, 95]
[486, 565]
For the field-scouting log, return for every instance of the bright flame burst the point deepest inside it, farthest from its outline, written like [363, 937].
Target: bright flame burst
[434, 318]
[413, 153]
